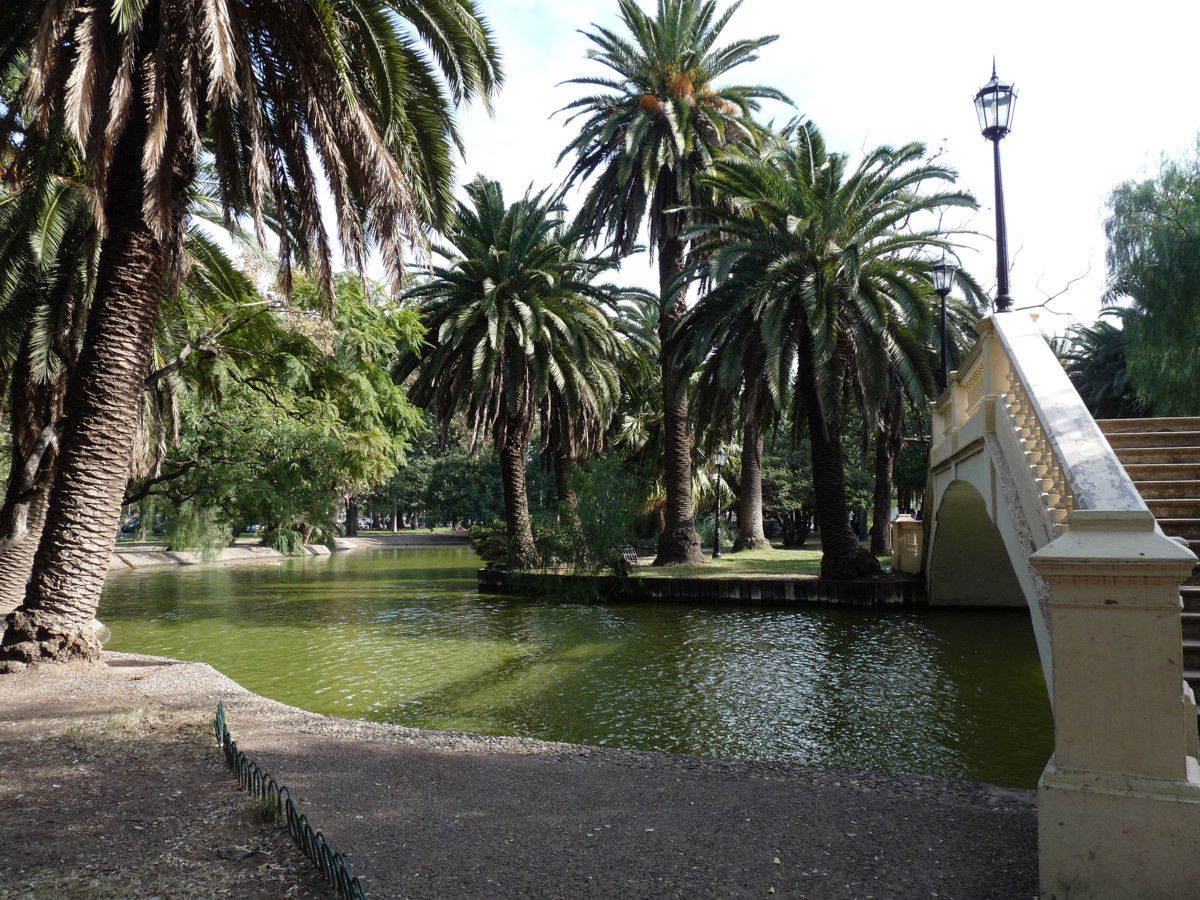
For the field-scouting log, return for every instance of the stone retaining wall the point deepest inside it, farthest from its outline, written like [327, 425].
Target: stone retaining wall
[810, 590]
[241, 553]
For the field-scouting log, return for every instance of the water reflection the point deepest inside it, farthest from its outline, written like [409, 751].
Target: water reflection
[402, 636]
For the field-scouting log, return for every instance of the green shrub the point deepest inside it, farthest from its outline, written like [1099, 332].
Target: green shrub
[285, 540]
[610, 502]
[705, 528]
[198, 529]
[559, 544]
[491, 543]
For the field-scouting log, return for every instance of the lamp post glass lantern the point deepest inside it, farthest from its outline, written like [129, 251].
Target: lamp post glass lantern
[994, 104]
[944, 273]
[719, 459]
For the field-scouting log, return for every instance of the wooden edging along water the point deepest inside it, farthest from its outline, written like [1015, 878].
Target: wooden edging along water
[800, 590]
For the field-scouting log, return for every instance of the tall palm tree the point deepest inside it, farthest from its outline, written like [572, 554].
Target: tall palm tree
[739, 380]
[574, 424]
[645, 139]
[825, 256]
[271, 90]
[511, 326]
[886, 402]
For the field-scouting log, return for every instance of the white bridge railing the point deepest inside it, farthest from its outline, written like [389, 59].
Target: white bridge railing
[1119, 802]
[1014, 380]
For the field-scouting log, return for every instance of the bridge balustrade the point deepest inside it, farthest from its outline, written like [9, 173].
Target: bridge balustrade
[1018, 465]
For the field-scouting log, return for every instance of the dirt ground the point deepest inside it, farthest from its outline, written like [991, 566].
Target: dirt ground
[110, 787]
[111, 798]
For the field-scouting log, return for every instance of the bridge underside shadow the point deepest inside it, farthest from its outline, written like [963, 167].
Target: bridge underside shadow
[969, 564]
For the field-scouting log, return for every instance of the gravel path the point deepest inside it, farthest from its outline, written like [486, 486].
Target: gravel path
[431, 814]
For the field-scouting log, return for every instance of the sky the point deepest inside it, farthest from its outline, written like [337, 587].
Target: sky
[1104, 91]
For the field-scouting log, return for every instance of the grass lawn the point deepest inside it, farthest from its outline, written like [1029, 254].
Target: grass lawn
[747, 564]
[440, 529]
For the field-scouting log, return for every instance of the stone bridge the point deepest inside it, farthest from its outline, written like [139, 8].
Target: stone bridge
[1029, 505]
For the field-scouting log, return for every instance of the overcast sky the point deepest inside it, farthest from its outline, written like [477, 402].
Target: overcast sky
[1104, 90]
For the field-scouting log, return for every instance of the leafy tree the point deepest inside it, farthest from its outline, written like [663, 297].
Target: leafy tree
[788, 491]
[1096, 357]
[285, 417]
[464, 487]
[1154, 264]
[144, 88]
[511, 322]
[825, 257]
[655, 126]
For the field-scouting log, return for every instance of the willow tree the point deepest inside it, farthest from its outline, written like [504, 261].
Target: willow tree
[283, 95]
[645, 140]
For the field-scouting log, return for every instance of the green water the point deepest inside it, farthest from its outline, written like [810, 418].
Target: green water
[402, 636]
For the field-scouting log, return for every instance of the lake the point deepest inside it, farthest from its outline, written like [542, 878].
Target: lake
[403, 636]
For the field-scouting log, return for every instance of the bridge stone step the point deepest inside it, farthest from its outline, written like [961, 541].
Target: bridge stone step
[1157, 455]
[1191, 653]
[1180, 489]
[1191, 625]
[1184, 528]
[1123, 440]
[1149, 473]
[1174, 508]
[1190, 595]
[1118, 426]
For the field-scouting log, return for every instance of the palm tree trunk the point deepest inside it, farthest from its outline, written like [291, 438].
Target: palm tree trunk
[842, 556]
[881, 536]
[54, 621]
[516, 503]
[568, 503]
[888, 441]
[678, 542]
[16, 554]
[34, 411]
[751, 534]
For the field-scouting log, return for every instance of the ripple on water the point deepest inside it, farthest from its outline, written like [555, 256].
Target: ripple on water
[402, 636]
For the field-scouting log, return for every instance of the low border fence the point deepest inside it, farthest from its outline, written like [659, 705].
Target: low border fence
[259, 782]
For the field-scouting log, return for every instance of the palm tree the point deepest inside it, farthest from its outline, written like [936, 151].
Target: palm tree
[512, 329]
[646, 138]
[885, 402]
[47, 255]
[825, 258]
[739, 378]
[271, 90]
[1096, 357]
[573, 423]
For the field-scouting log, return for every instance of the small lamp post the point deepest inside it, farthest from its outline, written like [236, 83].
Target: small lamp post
[994, 104]
[719, 459]
[944, 273]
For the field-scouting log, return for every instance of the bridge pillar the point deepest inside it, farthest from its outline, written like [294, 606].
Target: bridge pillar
[1119, 802]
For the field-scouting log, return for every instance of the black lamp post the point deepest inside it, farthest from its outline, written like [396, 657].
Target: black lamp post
[994, 105]
[720, 461]
[944, 273]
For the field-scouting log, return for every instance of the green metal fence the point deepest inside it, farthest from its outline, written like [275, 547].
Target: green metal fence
[278, 799]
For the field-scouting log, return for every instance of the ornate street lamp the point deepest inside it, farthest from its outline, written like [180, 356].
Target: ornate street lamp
[944, 273]
[994, 105]
[719, 459]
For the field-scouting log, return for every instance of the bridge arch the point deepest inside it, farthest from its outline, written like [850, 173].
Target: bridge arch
[969, 563]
